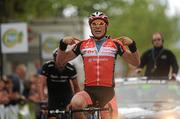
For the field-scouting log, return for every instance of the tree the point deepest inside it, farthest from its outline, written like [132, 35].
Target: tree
[135, 18]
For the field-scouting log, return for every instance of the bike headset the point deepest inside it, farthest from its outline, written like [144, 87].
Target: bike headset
[98, 15]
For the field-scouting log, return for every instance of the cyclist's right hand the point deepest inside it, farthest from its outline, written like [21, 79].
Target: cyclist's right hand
[69, 40]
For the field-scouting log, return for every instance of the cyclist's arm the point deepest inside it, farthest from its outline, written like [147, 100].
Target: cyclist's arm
[64, 56]
[41, 85]
[132, 58]
[75, 85]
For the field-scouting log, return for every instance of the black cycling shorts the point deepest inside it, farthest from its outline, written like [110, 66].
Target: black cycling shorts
[100, 95]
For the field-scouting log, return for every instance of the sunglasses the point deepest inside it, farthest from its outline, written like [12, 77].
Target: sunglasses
[98, 23]
[157, 39]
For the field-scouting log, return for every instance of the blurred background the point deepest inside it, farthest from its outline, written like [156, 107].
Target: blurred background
[46, 21]
[31, 29]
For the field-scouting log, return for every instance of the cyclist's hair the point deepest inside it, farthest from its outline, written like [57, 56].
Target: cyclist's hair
[98, 15]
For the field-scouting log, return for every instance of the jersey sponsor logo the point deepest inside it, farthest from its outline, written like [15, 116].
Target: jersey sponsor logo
[103, 52]
[95, 59]
[57, 77]
[12, 37]
[89, 51]
[164, 57]
[53, 80]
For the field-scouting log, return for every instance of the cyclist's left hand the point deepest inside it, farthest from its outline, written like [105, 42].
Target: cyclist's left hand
[125, 40]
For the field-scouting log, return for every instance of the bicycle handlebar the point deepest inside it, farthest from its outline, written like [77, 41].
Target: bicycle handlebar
[88, 109]
[91, 109]
[57, 111]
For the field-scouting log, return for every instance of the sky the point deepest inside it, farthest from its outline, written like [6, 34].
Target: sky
[174, 7]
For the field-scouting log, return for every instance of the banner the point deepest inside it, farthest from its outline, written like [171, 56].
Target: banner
[14, 38]
[49, 42]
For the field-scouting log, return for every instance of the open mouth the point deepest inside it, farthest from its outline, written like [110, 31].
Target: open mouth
[97, 31]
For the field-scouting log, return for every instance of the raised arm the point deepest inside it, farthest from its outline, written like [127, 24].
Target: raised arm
[131, 56]
[64, 56]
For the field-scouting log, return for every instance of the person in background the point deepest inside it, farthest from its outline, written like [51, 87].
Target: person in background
[61, 82]
[34, 97]
[158, 60]
[37, 64]
[20, 92]
[4, 97]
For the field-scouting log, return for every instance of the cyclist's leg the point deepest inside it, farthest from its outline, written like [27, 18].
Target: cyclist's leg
[110, 115]
[79, 101]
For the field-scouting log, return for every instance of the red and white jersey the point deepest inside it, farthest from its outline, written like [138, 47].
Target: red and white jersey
[99, 65]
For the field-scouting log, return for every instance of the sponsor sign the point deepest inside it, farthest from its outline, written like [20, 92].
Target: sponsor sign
[14, 38]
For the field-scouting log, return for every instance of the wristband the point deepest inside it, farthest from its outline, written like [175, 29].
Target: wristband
[132, 47]
[62, 45]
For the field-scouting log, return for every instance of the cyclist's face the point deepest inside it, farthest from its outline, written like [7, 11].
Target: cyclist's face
[98, 28]
[157, 40]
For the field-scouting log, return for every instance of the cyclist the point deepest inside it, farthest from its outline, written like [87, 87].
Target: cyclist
[99, 53]
[60, 84]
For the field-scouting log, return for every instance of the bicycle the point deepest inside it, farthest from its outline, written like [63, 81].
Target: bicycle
[43, 110]
[61, 114]
[92, 112]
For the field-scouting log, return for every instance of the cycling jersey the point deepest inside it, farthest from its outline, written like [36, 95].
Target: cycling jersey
[99, 65]
[58, 84]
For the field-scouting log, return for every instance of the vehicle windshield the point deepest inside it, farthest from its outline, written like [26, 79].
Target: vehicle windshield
[135, 92]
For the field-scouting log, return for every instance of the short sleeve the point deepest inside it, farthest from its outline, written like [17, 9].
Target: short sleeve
[44, 70]
[72, 71]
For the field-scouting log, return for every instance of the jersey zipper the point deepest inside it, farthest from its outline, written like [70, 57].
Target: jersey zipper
[98, 68]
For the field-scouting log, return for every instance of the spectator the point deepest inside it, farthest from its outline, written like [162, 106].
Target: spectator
[158, 60]
[34, 96]
[19, 92]
[37, 64]
[4, 99]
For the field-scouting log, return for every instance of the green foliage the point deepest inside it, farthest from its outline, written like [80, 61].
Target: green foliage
[141, 20]
[138, 19]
